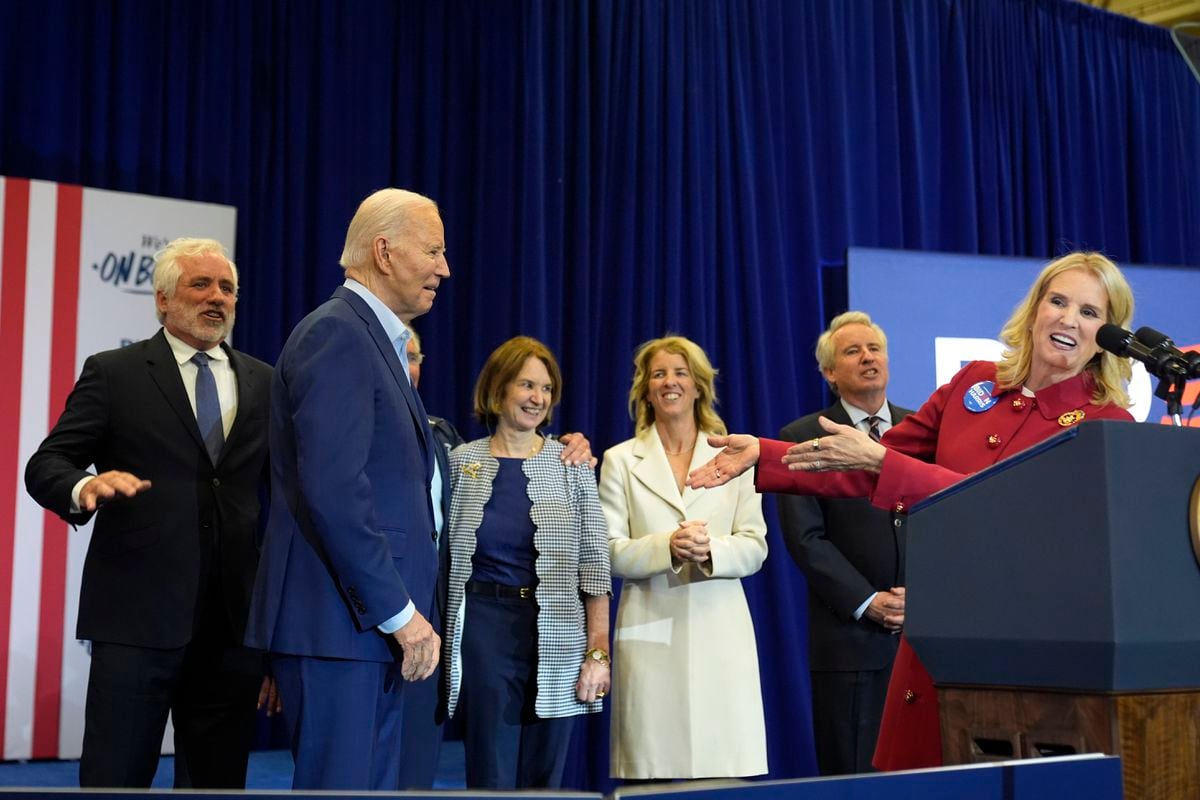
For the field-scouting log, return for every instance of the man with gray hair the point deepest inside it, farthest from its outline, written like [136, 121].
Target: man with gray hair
[176, 428]
[345, 588]
[852, 556]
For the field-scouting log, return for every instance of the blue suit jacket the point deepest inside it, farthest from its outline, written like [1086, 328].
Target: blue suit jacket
[349, 539]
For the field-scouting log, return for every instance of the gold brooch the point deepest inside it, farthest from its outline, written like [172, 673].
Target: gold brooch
[471, 470]
[1071, 417]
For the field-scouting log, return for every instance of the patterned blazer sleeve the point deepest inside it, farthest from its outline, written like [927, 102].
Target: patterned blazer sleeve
[571, 541]
[595, 576]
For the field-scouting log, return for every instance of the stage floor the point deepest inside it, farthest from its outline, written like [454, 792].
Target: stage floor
[269, 769]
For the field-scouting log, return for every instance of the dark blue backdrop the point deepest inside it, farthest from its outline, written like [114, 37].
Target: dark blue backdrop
[612, 169]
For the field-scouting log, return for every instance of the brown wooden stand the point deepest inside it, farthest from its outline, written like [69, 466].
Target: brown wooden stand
[1156, 734]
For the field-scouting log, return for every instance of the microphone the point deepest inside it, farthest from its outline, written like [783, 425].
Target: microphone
[1159, 362]
[1159, 342]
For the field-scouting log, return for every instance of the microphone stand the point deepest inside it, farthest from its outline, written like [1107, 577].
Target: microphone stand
[1193, 372]
[1170, 388]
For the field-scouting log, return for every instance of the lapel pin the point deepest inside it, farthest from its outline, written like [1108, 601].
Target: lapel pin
[1071, 417]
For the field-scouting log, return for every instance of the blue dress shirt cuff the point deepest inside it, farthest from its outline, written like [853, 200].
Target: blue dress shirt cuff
[858, 612]
[390, 626]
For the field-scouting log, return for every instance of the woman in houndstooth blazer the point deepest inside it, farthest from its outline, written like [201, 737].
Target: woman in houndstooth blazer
[526, 641]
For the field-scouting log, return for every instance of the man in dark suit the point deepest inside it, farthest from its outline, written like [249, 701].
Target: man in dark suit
[424, 706]
[852, 556]
[176, 428]
[345, 588]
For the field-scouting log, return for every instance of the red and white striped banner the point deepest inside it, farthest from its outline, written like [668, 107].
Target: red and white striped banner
[76, 269]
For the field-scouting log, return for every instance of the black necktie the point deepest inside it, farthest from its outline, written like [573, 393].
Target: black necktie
[208, 408]
[874, 433]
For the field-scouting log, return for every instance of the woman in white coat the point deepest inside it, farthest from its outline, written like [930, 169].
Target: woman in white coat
[686, 695]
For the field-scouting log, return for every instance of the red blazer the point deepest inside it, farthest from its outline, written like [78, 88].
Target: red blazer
[937, 446]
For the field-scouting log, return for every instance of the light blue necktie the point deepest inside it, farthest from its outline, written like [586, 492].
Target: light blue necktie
[208, 407]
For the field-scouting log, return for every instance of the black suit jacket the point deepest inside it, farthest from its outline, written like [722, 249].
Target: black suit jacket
[129, 411]
[846, 549]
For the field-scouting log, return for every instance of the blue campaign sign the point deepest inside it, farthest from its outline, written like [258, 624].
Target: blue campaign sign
[941, 310]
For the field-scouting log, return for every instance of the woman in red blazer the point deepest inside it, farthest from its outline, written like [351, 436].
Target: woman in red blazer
[1053, 375]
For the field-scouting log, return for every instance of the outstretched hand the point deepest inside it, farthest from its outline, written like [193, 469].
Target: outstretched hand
[109, 486]
[844, 447]
[739, 455]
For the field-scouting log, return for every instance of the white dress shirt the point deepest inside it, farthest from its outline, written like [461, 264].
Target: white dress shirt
[227, 391]
[858, 418]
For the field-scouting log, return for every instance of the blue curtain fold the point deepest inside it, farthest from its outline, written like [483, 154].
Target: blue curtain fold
[609, 170]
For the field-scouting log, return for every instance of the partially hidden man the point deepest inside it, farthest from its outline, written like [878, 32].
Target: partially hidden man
[852, 557]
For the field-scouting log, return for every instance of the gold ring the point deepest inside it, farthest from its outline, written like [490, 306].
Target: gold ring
[817, 443]
[600, 694]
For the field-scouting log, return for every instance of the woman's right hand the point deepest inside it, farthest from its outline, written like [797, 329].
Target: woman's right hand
[840, 448]
[690, 541]
[739, 455]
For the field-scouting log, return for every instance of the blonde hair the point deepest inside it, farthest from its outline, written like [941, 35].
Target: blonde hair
[1110, 373]
[167, 268]
[826, 355]
[703, 374]
[383, 213]
[502, 368]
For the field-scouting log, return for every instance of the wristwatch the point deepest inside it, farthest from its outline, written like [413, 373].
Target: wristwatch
[597, 655]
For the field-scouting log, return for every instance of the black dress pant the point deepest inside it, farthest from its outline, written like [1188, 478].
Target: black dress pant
[210, 686]
[847, 708]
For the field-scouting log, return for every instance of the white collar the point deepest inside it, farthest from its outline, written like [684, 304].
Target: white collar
[183, 351]
[857, 415]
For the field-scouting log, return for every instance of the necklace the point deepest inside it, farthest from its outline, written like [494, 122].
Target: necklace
[495, 447]
[687, 449]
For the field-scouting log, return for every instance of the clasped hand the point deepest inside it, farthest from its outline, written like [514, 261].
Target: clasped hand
[690, 541]
[886, 609]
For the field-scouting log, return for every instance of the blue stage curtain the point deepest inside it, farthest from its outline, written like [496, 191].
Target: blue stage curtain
[610, 170]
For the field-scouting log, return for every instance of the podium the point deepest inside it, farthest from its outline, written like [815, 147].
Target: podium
[1055, 600]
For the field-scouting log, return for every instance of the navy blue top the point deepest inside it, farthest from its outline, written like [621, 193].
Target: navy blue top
[504, 551]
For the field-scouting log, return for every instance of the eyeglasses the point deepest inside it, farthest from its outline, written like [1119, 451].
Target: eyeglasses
[415, 358]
